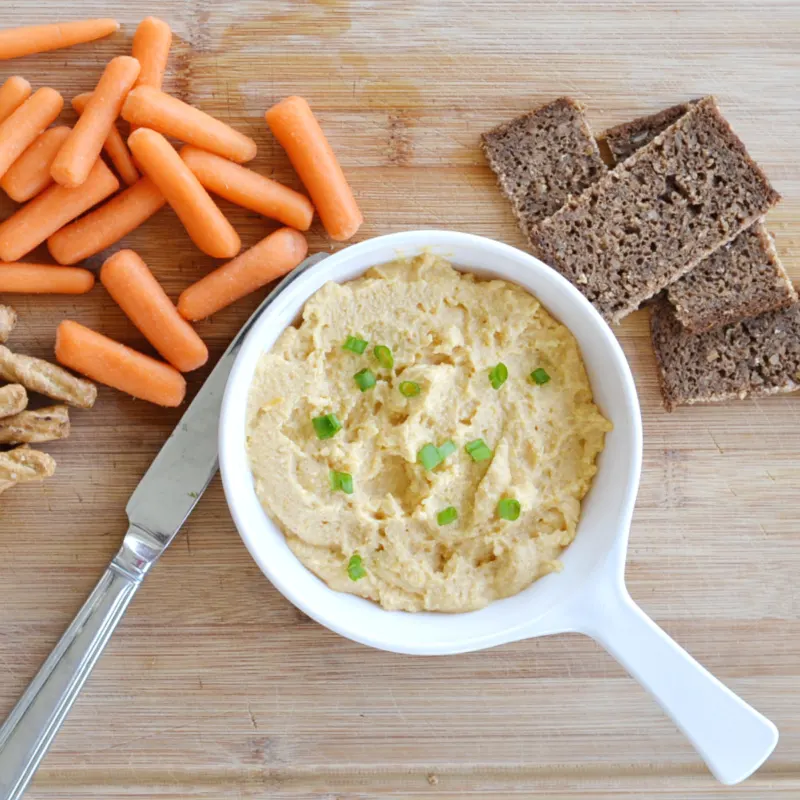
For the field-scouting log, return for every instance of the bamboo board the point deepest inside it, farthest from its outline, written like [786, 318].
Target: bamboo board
[215, 686]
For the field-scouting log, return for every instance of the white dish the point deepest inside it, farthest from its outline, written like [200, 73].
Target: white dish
[589, 596]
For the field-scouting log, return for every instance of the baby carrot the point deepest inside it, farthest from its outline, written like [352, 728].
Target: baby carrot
[137, 292]
[150, 108]
[204, 222]
[83, 145]
[295, 127]
[13, 93]
[51, 210]
[151, 44]
[20, 130]
[113, 364]
[272, 257]
[114, 145]
[30, 173]
[249, 189]
[150, 47]
[106, 224]
[41, 38]
[22, 278]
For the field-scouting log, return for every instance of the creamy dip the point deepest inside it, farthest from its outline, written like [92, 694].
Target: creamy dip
[439, 535]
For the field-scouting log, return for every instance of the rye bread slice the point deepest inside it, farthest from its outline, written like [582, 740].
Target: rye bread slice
[543, 157]
[757, 356]
[624, 140]
[742, 279]
[658, 214]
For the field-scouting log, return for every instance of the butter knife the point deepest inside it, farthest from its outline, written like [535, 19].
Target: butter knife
[159, 506]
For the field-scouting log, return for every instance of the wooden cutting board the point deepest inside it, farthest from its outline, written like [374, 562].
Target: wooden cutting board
[214, 686]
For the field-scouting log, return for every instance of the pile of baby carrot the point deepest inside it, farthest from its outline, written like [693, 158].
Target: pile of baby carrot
[59, 174]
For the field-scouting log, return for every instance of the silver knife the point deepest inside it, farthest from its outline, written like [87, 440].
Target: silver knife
[159, 506]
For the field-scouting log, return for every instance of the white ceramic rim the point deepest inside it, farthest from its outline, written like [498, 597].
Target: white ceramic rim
[504, 620]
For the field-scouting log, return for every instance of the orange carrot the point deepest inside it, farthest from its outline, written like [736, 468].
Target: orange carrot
[22, 278]
[19, 131]
[114, 145]
[140, 296]
[249, 189]
[150, 108]
[203, 221]
[295, 127]
[83, 146]
[13, 93]
[113, 364]
[107, 223]
[272, 257]
[30, 173]
[51, 210]
[150, 47]
[17, 42]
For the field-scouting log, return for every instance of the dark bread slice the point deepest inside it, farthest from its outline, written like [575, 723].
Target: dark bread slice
[624, 140]
[658, 214]
[742, 279]
[542, 157]
[757, 356]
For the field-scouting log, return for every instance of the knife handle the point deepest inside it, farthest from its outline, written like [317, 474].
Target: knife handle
[27, 733]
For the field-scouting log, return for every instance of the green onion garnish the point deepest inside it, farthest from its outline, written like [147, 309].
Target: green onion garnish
[498, 375]
[355, 345]
[509, 509]
[429, 456]
[365, 379]
[355, 568]
[384, 356]
[341, 482]
[539, 376]
[326, 426]
[447, 516]
[478, 450]
[447, 449]
[409, 389]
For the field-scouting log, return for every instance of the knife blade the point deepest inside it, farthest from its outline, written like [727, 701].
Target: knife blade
[157, 509]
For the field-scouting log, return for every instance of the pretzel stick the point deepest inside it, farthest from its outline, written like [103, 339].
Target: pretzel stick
[13, 399]
[41, 376]
[30, 427]
[22, 465]
[8, 319]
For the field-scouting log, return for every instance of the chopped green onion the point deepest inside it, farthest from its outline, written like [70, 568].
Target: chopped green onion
[447, 449]
[429, 456]
[326, 426]
[539, 376]
[355, 345]
[409, 389]
[365, 379]
[384, 356]
[478, 450]
[341, 482]
[498, 375]
[355, 568]
[447, 516]
[509, 509]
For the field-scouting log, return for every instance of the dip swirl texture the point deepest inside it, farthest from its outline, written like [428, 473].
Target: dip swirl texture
[446, 331]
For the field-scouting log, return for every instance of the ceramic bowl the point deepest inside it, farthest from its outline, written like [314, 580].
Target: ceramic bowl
[587, 596]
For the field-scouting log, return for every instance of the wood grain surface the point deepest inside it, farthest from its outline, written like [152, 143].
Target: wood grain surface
[214, 686]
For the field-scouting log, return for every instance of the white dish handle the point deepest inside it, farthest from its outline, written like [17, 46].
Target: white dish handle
[731, 737]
